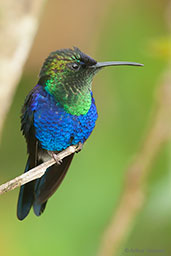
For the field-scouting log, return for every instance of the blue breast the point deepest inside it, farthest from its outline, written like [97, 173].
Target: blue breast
[56, 129]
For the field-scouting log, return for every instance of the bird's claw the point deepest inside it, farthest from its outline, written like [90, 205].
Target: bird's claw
[79, 147]
[56, 158]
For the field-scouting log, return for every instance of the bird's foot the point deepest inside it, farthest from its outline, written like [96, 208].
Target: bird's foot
[55, 157]
[79, 147]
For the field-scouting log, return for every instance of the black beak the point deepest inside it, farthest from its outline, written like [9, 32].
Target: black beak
[115, 63]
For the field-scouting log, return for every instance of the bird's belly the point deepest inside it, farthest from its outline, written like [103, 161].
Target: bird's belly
[56, 130]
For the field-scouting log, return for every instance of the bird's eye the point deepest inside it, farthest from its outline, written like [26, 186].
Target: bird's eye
[75, 66]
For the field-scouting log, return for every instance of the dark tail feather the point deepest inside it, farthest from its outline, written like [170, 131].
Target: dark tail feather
[39, 208]
[37, 192]
[26, 195]
[46, 186]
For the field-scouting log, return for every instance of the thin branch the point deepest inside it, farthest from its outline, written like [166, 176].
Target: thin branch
[36, 172]
[133, 196]
[19, 22]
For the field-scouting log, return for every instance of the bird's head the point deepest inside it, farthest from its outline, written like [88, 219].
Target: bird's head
[67, 75]
[69, 68]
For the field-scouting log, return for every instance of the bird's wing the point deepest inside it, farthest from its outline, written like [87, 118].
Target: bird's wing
[26, 195]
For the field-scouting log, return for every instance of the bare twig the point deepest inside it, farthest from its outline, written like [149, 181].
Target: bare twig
[133, 196]
[19, 21]
[36, 172]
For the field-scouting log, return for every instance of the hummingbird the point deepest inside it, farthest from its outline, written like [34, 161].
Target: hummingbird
[58, 112]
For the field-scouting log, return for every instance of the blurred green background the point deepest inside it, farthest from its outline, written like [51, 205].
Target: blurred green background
[78, 213]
